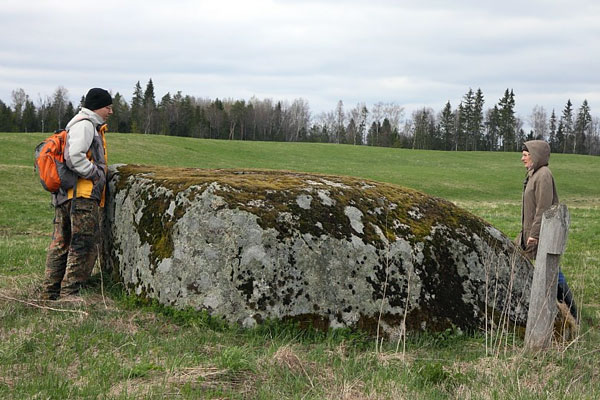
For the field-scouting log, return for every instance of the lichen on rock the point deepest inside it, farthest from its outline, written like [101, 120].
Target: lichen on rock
[330, 251]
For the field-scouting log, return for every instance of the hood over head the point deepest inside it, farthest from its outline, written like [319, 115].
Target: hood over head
[539, 151]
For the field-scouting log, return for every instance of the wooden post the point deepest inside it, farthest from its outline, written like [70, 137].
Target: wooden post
[542, 304]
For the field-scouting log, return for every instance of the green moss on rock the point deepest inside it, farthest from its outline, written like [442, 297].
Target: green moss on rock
[270, 194]
[156, 228]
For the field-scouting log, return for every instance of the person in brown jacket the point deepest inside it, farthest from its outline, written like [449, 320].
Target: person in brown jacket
[539, 194]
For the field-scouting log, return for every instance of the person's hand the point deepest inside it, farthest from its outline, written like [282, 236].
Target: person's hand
[531, 241]
[96, 174]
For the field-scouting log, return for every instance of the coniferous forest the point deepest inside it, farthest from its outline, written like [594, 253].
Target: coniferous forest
[468, 126]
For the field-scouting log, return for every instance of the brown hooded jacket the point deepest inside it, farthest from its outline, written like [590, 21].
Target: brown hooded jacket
[539, 193]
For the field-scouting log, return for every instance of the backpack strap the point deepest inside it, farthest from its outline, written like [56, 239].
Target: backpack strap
[76, 180]
[79, 120]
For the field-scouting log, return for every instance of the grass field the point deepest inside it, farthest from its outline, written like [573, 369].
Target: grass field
[109, 345]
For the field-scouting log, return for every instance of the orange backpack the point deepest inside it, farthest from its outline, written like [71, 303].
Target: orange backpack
[49, 163]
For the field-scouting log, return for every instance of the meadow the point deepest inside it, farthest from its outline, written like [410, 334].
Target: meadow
[109, 345]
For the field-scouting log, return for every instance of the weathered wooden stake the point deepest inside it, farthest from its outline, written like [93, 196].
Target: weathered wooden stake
[542, 304]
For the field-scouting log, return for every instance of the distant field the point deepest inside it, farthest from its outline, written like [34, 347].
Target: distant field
[477, 176]
[149, 349]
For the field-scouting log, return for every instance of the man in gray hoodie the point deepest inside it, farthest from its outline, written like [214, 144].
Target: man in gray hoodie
[539, 194]
[74, 247]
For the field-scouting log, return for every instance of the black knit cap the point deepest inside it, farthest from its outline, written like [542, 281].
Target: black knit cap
[97, 98]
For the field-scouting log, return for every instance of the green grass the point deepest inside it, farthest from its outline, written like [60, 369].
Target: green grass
[118, 347]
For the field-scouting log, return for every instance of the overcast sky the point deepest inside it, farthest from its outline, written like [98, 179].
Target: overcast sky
[413, 53]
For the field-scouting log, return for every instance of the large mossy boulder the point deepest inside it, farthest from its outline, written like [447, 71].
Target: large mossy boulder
[329, 251]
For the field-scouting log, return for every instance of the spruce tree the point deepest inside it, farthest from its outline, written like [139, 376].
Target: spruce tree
[471, 118]
[387, 135]
[461, 128]
[30, 120]
[560, 137]
[567, 128]
[120, 120]
[492, 135]
[476, 125]
[137, 109]
[351, 132]
[69, 113]
[582, 126]
[6, 117]
[467, 112]
[507, 121]
[446, 127]
[149, 108]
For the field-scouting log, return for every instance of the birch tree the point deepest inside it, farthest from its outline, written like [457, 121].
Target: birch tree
[538, 119]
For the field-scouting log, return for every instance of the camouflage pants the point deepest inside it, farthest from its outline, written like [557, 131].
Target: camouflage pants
[74, 248]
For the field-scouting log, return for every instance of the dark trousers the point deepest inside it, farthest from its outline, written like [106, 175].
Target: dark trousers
[565, 295]
[74, 247]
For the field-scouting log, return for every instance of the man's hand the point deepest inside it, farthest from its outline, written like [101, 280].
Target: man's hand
[531, 241]
[96, 174]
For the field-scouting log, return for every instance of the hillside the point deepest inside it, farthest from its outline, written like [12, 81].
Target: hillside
[110, 345]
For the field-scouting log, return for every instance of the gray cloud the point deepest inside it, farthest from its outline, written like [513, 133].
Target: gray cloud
[412, 53]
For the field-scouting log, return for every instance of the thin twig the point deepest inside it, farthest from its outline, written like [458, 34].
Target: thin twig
[573, 382]
[578, 339]
[305, 373]
[101, 277]
[42, 307]
[488, 321]
[590, 352]
[403, 328]
[383, 299]
[494, 302]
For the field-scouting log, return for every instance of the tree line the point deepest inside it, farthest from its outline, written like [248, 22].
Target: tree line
[468, 127]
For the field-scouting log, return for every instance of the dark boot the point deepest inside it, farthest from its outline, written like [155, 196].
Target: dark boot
[49, 295]
[564, 295]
